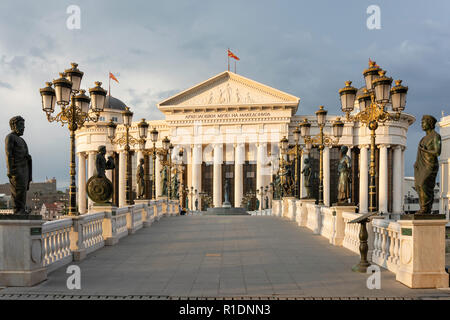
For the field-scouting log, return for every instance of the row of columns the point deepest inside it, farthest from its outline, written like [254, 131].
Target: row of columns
[261, 176]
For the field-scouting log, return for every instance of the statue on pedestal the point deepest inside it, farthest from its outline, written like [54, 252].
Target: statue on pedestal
[307, 178]
[175, 186]
[427, 164]
[196, 204]
[140, 179]
[227, 193]
[164, 181]
[18, 164]
[99, 188]
[344, 176]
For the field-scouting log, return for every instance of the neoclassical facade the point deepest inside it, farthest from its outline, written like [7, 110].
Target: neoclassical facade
[229, 128]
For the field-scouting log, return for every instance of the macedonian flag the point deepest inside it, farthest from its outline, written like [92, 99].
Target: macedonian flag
[232, 55]
[111, 76]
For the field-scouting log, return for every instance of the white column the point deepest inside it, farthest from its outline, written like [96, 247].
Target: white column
[326, 176]
[158, 177]
[196, 173]
[91, 169]
[403, 178]
[239, 160]
[364, 179]
[383, 179]
[217, 181]
[397, 184]
[81, 183]
[122, 181]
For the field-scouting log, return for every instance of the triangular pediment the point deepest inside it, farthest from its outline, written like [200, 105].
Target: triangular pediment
[228, 89]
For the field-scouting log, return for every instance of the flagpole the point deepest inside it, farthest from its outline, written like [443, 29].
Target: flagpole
[234, 65]
[109, 86]
[228, 59]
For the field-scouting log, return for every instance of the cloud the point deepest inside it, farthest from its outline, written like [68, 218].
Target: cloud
[163, 47]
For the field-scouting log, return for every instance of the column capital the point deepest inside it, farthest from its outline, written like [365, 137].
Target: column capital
[364, 146]
[383, 145]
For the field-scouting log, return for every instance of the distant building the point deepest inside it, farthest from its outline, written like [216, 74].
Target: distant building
[411, 198]
[39, 193]
[52, 211]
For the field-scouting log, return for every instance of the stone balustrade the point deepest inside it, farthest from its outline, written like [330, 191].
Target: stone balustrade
[59, 242]
[391, 243]
[351, 233]
[386, 244]
[56, 243]
[313, 221]
[328, 217]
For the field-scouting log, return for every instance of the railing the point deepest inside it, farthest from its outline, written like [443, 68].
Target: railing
[92, 232]
[351, 235]
[313, 221]
[386, 251]
[328, 222]
[56, 243]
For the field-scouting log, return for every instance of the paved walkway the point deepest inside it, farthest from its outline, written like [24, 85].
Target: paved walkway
[222, 256]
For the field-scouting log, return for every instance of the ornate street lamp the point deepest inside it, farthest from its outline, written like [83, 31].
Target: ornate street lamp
[76, 109]
[126, 140]
[321, 140]
[372, 105]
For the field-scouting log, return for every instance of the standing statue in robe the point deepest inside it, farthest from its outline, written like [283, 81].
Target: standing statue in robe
[427, 164]
[164, 182]
[18, 164]
[344, 176]
[227, 193]
[175, 186]
[307, 178]
[140, 179]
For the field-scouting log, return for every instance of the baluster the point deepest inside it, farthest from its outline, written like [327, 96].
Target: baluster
[46, 249]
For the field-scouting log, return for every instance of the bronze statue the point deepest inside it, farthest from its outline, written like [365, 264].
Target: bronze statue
[427, 164]
[99, 188]
[344, 176]
[140, 179]
[18, 164]
[164, 182]
[307, 178]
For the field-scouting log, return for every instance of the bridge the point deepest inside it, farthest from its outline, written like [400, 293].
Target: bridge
[151, 251]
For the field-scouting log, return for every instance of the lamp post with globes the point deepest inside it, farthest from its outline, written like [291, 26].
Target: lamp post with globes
[76, 109]
[125, 140]
[372, 103]
[321, 140]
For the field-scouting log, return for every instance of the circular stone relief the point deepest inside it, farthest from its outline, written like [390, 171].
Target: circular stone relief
[36, 251]
[406, 252]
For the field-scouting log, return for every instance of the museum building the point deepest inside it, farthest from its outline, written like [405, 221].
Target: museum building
[229, 128]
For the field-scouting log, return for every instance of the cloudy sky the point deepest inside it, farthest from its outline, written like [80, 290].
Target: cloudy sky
[157, 48]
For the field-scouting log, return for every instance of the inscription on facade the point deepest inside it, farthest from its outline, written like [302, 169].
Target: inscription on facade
[227, 115]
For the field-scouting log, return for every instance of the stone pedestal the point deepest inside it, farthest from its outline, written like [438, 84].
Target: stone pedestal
[285, 206]
[147, 218]
[338, 236]
[302, 214]
[292, 209]
[422, 252]
[21, 253]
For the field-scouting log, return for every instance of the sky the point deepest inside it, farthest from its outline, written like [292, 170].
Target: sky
[158, 48]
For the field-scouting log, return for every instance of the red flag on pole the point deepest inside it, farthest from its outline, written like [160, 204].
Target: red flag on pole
[232, 55]
[111, 76]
